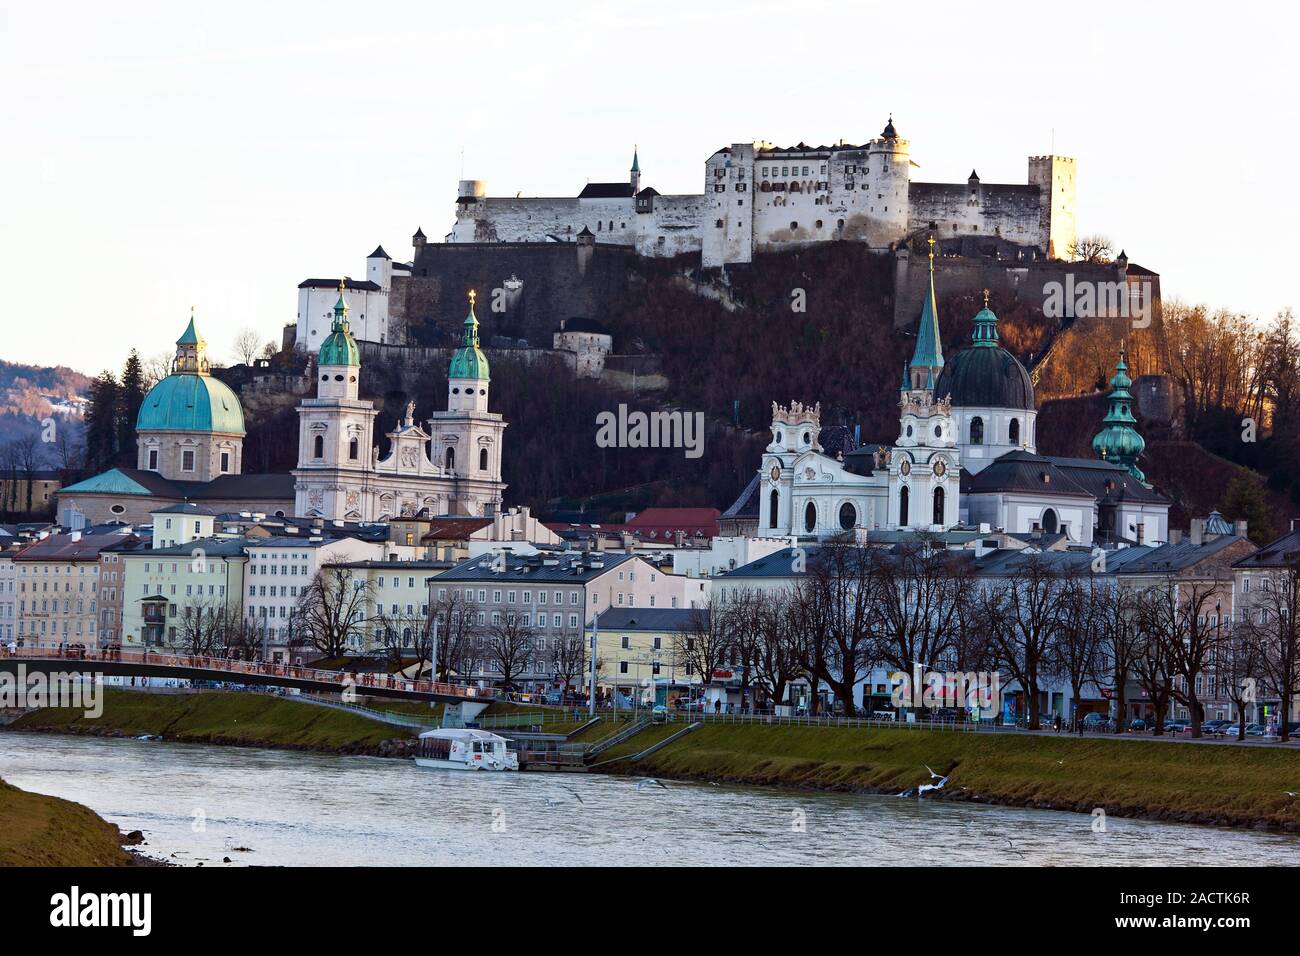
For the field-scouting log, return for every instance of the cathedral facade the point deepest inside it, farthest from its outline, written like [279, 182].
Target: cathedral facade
[965, 458]
[450, 467]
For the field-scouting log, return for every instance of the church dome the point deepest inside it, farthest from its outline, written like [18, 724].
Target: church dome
[468, 361]
[339, 347]
[985, 375]
[985, 378]
[189, 402]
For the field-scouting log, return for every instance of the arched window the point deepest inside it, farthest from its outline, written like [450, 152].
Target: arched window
[810, 517]
[1013, 432]
[354, 449]
[848, 515]
[482, 459]
[318, 447]
[902, 507]
[451, 459]
[1050, 522]
[938, 506]
[775, 503]
[977, 431]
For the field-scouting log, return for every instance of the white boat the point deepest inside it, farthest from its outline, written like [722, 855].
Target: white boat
[464, 750]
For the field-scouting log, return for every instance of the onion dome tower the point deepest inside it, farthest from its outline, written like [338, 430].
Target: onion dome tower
[1119, 441]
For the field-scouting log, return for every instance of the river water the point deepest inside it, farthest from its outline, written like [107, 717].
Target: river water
[196, 804]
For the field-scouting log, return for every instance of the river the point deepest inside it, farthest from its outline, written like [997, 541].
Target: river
[196, 804]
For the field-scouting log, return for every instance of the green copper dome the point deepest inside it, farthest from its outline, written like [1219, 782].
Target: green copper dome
[469, 360]
[1119, 441]
[339, 347]
[190, 402]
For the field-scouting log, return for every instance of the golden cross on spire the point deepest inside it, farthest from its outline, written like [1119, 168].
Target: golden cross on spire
[986, 298]
[472, 296]
[931, 242]
[341, 281]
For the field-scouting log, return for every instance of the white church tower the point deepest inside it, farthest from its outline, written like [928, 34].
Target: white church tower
[465, 440]
[336, 456]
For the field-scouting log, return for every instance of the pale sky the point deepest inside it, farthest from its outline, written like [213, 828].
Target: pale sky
[158, 155]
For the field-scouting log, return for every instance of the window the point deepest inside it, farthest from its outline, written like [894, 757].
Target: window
[225, 461]
[775, 502]
[354, 449]
[451, 459]
[977, 431]
[902, 507]
[153, 459]
[187, 460]
[848, 515]
[482, 459]
[938, 506]
[318, 447]
[1013, 432]
[1050, 522]
[810, 517]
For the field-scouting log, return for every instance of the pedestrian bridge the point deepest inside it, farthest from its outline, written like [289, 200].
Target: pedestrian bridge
[150, 663]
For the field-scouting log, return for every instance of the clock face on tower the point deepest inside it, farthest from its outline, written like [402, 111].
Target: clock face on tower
[940, 468]
[776, 472]
[905, 467]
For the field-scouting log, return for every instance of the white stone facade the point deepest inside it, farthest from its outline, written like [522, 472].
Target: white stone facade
[759, 197]
[368, 298]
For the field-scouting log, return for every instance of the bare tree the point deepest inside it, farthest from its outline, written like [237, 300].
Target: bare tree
[458, 627]
[1153, 663]
[332, 610]
[511, 646]
[1023, 622]
[1119, 645]
[1271, 617]
[841, 617]
[573, 659]
[1177, 614]
[1238, 667]
[777, 662]
[1074, 651]
[701, 644]
[1095, 249]
[248, 345]
[203, 627]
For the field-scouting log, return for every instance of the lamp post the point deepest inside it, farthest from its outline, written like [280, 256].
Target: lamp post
[595, 646]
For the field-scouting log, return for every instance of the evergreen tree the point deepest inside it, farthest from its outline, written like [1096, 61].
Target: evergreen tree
[102, 422]
[1244, 498]
[131, 394]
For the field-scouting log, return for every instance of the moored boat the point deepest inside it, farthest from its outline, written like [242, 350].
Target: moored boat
[448, 749]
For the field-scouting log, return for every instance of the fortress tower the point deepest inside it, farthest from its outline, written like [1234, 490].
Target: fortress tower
[1054, 177]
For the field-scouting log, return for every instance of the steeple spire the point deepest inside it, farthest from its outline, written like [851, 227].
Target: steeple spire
[341, 311]
[468, 361]
[927, 359]
[1119, 441]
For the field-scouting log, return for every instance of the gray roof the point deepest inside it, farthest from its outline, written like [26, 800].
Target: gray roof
[648, 618]
[1180, 556]
[1280, 553]
[567, 569]
[1102, 478]
[1026, 472]
[212, 547]
[185, 508]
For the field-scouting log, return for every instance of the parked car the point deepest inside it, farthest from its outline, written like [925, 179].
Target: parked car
[1094, 721]
[1256, 730]
[1216, 727]
[1137, 724]
[696, 706]
[1177, 726]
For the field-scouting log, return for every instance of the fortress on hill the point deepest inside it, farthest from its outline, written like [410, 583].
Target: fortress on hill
[759, 197]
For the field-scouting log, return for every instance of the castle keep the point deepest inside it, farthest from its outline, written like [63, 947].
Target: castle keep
[763, 198]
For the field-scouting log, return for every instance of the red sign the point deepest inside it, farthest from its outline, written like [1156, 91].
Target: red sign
[722, 675]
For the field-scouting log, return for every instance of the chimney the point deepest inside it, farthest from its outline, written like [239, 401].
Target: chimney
[1197, 533]
[1175, 536]
[1239, 527]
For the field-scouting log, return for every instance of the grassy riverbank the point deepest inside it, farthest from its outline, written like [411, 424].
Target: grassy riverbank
[253, 720]
[1195, 783]
[36, 830]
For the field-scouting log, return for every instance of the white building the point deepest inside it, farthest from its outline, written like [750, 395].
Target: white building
[452, 468]
[278, 573]
[369, 298]
[759, 197]
[8, 597]
[965, 456]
